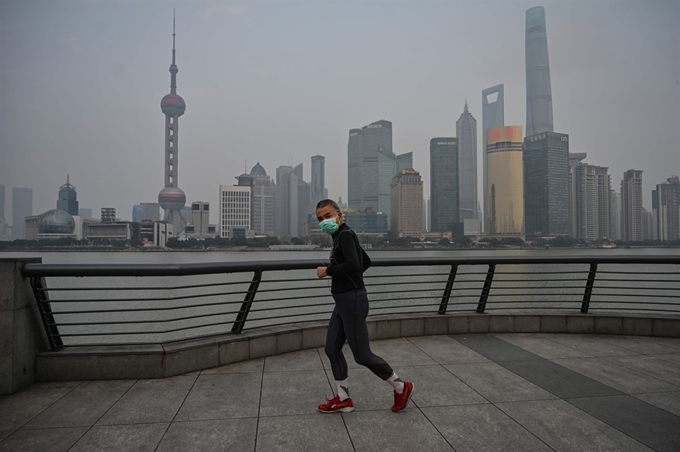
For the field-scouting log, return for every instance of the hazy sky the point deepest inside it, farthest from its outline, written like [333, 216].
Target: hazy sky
[280, 81]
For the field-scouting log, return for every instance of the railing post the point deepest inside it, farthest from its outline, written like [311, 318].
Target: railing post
[486, 289]
[237, 328]
[447, 289]
[39, 287]
[589, 288]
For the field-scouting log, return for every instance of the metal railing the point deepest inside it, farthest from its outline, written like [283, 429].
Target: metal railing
[121, 304]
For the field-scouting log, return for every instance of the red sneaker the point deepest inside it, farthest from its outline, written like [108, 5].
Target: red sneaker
[336, 405]
[401, 399]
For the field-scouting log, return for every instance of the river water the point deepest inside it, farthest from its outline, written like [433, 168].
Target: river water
[285, 296]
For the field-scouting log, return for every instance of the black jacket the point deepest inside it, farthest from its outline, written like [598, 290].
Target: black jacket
[348, 261]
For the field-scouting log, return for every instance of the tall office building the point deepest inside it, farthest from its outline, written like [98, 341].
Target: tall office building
[614, 215]
[493, 115]
[146, 211]
[284, 190]
[68, 198]
[444, 184]
[354, 157]
[407, 204]
[378, 166]
[22, 207]
[546, 185]
[631, 206]
[235, 206]
[575, 159]
[404, 161]
[262, 201]
[200, 226]
[2, 202]
[647, 225]
[318, 186]
[172, 198]
[466, 132]
[539, 93]
[293, 196]
[668, 209]
[371, 166]
[591, 191]
[505, 182]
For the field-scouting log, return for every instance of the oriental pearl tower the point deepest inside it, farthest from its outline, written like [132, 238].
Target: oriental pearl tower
[172, 198]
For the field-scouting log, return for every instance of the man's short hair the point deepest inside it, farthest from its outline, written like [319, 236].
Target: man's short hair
[327, 202]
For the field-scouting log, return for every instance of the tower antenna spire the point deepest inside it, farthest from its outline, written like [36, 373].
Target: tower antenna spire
[173, 66]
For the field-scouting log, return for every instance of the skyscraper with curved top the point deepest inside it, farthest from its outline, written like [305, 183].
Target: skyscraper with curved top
[539, 93]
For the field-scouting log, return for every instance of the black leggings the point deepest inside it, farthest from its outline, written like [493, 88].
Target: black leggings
[348, 322]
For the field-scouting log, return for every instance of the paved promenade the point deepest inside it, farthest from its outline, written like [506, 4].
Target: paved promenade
[500, 392]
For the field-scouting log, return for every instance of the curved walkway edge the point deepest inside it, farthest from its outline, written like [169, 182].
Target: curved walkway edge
[167, 360]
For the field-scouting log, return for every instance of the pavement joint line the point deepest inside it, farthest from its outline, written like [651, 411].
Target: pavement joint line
[632, 353]
[103, 414]
[186, 396]
[604, 396]
[259, 406]
[611, 426]
[41, 411]
[520, 424]
[642, 371]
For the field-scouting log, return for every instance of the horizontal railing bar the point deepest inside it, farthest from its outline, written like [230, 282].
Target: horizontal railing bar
[635, 302]
[636, 309]
[289, 315]
[172, 308]
[265, 281]
[607, 294]
[637, 273]
[45, 270]
[287, 289]
[191, 286]
[129, 333]
[277, 308]
[639, 280]
[409, 306]
[119, 300]
[560, 308]
[572, 272]
[132, 322]
[408, 275]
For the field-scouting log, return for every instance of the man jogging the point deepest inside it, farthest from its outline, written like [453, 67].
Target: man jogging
[348, 262]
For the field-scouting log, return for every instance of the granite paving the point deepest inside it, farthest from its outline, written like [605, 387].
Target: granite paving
[474, 392]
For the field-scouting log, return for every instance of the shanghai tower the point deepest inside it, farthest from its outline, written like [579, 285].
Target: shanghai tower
[539, 93]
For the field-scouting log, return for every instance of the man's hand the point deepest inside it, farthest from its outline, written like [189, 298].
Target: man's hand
[321, 272]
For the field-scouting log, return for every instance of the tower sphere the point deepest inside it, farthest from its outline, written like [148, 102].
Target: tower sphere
[173, 105]
[172, 198]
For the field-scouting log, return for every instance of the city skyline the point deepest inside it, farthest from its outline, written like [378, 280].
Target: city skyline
[74, 137]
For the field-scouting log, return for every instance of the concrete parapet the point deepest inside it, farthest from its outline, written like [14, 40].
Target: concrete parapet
[21, 331]
[88, 363]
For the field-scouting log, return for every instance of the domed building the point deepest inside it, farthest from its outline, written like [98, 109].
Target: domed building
[258, 170]
[56, 224]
